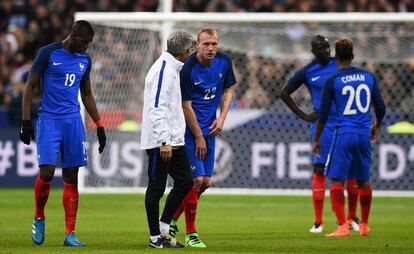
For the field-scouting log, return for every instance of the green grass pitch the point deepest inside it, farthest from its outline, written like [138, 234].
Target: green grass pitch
[116, 223]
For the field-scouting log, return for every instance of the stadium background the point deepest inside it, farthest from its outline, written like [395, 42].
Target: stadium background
[264, 145]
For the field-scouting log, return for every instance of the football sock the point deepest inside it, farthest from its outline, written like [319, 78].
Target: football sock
[190, 208]
[164, 228]
[179, 211]
[154, 238]
[352, 189]
[318, 195]
[70, 204]
[365, 198]
[338, 202]
[41, 190]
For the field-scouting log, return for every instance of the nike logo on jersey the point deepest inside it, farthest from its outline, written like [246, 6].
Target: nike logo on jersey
[192, 167]
[197, 83]
[220, 74]
[54, 63]
[315, 78]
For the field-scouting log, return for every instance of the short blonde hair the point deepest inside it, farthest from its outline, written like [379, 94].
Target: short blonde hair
[209, 31]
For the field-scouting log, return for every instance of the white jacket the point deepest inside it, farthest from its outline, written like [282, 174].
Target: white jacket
[163, 117]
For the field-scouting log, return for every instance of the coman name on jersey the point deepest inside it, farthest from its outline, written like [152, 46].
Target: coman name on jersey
[353, 77]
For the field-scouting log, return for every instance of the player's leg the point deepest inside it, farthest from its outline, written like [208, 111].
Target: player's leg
[352, 190]
[41, 195]
[319, 179]
[74, 155]
[195, 163]
[70, 200]
[318, 196]
[337, 169]
[202, 184]
[361, 171]
[48, 141]
[183, 182]
[365, 192]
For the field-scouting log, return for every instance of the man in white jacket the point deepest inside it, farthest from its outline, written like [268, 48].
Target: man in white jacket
[162, 136]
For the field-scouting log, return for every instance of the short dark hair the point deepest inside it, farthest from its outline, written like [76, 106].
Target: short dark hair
[344, 49]
[82, 28]
[318, 40]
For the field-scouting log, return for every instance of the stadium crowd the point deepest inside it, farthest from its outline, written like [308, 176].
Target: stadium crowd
[26, 25]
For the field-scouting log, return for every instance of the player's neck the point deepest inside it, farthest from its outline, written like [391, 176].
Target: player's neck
[204, 62]
[66, 44]
[343, 65]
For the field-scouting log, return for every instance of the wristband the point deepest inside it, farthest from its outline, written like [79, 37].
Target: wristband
[99, 123]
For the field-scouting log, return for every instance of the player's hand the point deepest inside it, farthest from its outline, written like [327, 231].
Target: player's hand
[316, 147]
[375, 131]
[216, 127]
[311, 117]
[100, 131]
[166, 152]
[201, 148]
[27, 132]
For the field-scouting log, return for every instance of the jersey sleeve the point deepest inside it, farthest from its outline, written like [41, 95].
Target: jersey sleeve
[230, 78]
[297, 80]
[327, 96]
[88, 70]
[41, 61]
[377, 100]
[186, 83]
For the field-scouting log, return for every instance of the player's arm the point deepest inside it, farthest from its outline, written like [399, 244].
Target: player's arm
[88, 101]
[27, 131]
[218, 124]
[227, 97]
[379, 107]
[293, 84]
[327, 95]
[33, 82]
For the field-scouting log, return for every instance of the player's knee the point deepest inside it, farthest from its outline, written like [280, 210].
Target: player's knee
[198, 181]
[47, 172]
[70, 175]
[363, 184]
[318, 169]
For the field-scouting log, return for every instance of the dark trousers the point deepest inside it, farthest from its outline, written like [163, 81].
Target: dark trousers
[158, 169]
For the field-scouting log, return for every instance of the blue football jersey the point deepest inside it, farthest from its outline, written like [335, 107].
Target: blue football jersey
[204, 86]
[61, 73]
[313, 76]
[352, 91]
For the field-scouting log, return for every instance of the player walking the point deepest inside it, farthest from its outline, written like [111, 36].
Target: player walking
[60, 70]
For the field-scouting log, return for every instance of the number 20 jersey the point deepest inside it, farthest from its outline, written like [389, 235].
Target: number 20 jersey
[352, 90]
[61, 73]
[204, 86]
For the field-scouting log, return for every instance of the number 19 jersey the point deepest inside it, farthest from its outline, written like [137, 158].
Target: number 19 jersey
[61, 73]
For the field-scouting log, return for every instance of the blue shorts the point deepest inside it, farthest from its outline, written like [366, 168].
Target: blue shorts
[325, 140]
[66, 136]
[350, 157]
[201, 167]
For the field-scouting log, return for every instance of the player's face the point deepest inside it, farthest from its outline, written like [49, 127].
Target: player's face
[207, 46]
[322, 52]
[81, 43]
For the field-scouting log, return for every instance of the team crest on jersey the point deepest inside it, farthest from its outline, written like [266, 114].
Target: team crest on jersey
[81, 66]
